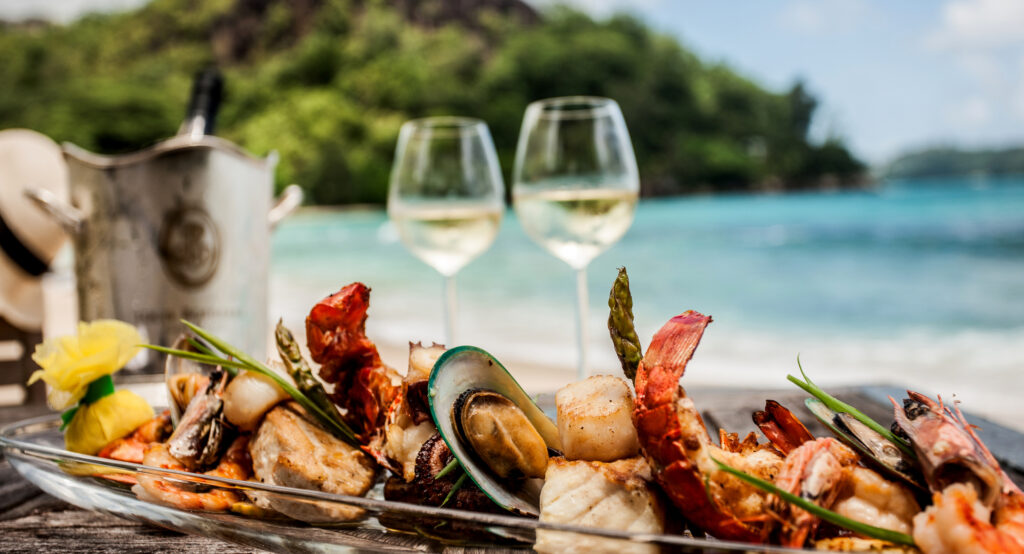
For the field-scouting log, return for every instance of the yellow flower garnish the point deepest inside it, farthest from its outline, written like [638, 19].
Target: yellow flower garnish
[111, 417]
[70, 363]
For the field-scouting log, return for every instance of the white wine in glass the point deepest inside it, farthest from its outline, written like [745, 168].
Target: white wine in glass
[576, 224]
[575, 186]
[446, 197]
[447, 237]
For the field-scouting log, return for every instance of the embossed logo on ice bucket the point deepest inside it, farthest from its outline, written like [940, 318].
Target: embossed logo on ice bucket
[189, 246]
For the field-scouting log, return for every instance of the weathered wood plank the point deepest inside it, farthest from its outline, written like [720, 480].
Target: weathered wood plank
[56, 526]
[37, 504]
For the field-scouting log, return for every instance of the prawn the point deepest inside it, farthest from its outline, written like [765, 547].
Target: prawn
[680, 451]
[235, 464]
[977, 507]
[827, 473]
[817, 470]
[685, 461]
[133, 447]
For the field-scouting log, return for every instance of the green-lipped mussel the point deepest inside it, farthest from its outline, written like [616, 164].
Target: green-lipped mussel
[492, 427]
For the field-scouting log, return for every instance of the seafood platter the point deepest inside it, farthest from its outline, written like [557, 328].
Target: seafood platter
[343, 451]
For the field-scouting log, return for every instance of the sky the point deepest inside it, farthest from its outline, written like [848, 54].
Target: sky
[890, 76]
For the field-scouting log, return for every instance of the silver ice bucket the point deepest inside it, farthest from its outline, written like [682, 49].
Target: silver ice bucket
[177, 231]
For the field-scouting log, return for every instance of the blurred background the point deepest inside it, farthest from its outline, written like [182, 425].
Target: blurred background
[841, 179]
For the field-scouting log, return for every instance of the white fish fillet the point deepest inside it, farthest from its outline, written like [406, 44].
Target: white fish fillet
[615, 495]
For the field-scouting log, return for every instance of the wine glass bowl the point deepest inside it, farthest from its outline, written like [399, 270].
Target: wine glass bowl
[446, 196]
[575, 177]
[575, 184]
[575, 135]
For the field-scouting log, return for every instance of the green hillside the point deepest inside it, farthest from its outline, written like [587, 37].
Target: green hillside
[327, 83]
[952, 162]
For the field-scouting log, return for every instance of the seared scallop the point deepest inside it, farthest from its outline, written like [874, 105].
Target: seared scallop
[595, 420]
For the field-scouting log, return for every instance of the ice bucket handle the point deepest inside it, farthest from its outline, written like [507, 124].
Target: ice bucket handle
[285, 204]
[66, 215]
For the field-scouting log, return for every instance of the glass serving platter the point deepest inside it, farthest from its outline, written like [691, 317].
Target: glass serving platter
[34, 447]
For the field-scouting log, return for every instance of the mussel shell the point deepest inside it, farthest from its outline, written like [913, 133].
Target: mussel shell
[200, 436]
[467, 368]
[176, 368]
[872, 446]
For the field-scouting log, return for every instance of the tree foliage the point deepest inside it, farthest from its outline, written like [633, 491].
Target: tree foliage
[327, 83]
[949, 161]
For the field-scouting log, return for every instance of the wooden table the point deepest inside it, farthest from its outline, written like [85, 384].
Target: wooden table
[31, 521]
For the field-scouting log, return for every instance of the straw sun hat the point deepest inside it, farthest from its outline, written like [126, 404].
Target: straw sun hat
[29, 238]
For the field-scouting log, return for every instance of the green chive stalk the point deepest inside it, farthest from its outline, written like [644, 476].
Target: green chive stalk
[455, 488]
[839, 406]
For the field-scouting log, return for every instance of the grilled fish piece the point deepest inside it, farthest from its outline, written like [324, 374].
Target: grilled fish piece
[615, 495]
[288, 449]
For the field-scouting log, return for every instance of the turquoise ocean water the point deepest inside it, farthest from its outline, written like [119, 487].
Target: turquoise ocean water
[918, 283]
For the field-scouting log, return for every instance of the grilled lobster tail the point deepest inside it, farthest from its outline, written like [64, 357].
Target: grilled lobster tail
[363, 386]
[673, 435]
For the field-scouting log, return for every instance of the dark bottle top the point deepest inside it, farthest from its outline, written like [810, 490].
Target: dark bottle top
[201, 117]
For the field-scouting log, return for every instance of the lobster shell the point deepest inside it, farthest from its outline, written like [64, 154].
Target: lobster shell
[669, 448]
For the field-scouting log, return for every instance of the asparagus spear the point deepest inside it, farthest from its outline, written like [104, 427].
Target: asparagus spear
[620, 325]
[300, 371]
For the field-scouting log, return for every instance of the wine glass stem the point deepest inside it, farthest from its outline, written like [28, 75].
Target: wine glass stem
[582, 368]
[450, 306]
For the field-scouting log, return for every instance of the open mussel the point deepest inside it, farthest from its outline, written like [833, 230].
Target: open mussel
[201, 434]
[492, 427]
[872, 446]
[195, 394]
[184, 378]
[500, 434]
[181, 389]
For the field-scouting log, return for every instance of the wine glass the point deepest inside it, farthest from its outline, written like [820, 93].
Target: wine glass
[446, 196]
[575, 185]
